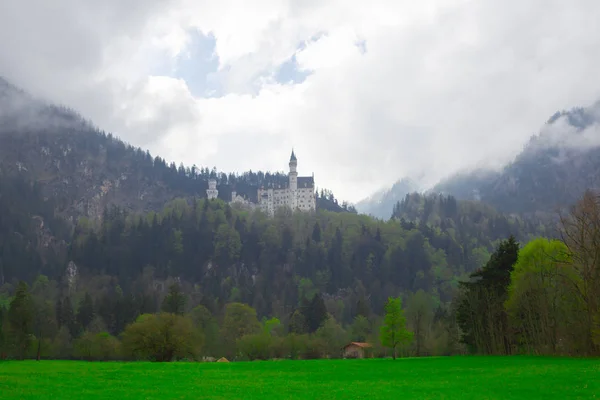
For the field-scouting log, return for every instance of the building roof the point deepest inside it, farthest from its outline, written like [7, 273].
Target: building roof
[293, 156]
[306, 181]
[359, 344]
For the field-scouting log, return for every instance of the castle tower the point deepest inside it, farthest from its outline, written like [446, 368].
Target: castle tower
[212, 191]
[293, 172]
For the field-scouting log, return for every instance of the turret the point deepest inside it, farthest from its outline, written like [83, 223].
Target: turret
[293, 162]
[212, 192]
[293, 173]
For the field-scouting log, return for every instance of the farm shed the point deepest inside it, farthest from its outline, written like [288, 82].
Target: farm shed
[357, 350]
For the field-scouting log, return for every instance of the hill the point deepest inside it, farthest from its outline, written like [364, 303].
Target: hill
[551, 172]
[86, 170]
[105, 233]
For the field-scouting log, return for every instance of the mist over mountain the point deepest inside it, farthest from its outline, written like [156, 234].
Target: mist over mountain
[381, 203]
[553, 169]
[84, 169]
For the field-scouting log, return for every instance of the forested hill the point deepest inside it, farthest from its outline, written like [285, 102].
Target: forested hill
[221, 254]
[468, 217]
[553, 170]
[550, 173]
[84, 169]
[103, 231]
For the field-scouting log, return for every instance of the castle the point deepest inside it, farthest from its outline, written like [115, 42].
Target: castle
[298, 195]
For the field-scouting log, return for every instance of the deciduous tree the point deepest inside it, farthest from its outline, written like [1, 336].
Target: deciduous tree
[161, 337]
[393, 331]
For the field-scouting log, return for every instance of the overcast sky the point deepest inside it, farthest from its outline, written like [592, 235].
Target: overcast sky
[365, 91]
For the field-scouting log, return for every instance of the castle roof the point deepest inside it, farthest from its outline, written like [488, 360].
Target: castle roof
[293, 156]
[306, 181]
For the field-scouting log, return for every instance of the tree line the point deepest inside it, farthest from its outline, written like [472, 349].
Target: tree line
[542, 298]
[30, 328]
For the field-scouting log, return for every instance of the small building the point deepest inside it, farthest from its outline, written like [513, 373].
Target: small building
[357, 350]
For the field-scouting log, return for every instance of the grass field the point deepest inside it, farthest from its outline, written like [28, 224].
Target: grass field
[416, 378]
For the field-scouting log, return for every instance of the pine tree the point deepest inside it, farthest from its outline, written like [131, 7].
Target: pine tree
[175, 300]
[20, 319]
[85, 313]
[316, 233]
[481, 314]
[68, 316]
[315, 313]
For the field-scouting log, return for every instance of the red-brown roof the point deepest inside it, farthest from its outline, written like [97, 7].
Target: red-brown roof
[359, 344]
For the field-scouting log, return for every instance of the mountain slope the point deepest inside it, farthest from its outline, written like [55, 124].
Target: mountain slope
[553, 170]
[85, 170]
[381, 203]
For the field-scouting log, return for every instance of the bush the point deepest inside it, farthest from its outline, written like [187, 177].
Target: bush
[162, 337]
[97, 346]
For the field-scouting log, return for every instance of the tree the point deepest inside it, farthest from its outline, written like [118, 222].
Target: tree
[297, 323]
[206, 324]
[540, 304]
[44, 321]
[174, 301]
[580, 231]
[20, 320]
[85, 313]
[315, 313]
[316, 233]
[419, 313]
[255, 346]
[481, 314]
[272, 326]
[2, 336]
[333, 336]
[360, 329]
[240, 320]
[66, 316]
[161, 337]
[97, 346]
[393, 331]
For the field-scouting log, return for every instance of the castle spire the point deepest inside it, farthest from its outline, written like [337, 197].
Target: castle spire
[293, 156]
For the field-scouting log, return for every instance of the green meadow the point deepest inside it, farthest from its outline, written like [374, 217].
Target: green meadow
[411, 378]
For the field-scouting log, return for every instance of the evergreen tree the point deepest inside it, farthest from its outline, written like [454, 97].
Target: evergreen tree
[20, 319]
[175, 300]
[315, 313]
[58, 310]
[362, 307]
[297, 323]
[481, 314]
[85, 313]
[316, 233]
[67, 316]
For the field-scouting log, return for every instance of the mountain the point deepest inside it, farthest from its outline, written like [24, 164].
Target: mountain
[381, 203]
[104, 233]
[552, 171]
[84, 170]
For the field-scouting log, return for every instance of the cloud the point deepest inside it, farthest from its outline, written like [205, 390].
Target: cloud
[369, 93]
[578, 129]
